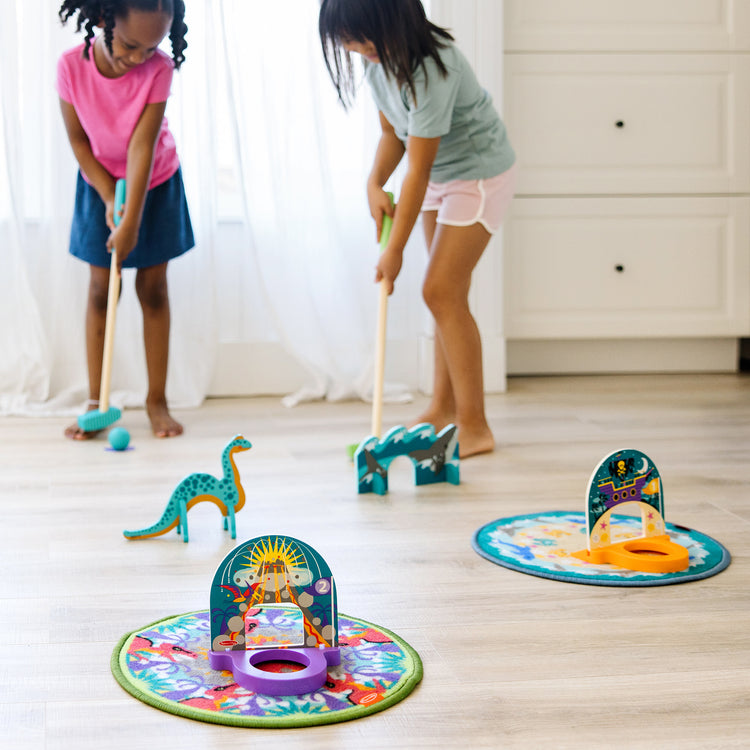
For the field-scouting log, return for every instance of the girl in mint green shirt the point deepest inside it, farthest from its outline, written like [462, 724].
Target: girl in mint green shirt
[459, 175]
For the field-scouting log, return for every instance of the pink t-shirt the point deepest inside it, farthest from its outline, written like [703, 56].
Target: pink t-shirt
[109, 108]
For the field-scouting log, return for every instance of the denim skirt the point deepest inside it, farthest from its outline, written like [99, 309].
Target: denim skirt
[165, 233]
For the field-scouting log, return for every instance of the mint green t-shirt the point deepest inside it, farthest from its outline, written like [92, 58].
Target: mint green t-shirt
[455, 108]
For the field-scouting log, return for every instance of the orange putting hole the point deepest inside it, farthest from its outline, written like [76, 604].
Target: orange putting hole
[645, 554]
[649, 552]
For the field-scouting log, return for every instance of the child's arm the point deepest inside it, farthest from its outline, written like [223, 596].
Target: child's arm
[101, 180]
[421, 154]
[388, 155]
[140, 163]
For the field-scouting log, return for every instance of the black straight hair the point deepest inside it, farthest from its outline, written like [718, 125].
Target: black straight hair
[92, 12]
[400, 30]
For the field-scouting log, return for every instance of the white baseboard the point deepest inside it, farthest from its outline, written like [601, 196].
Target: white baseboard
[622, 356]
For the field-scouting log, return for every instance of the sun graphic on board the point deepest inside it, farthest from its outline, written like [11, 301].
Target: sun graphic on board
[280, 550]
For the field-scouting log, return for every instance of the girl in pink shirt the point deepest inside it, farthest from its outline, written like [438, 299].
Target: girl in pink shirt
[113, 92]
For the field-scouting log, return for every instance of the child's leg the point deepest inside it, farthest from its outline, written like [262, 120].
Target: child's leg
[151, 287]
[96, 315]
[454, 253]
[441, 410]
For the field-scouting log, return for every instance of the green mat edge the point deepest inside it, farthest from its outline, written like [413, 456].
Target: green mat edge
[409, 683]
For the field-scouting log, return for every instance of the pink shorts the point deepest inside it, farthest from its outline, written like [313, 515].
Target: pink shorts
[461, 203]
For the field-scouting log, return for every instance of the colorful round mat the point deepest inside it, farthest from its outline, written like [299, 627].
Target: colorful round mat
[165, 664]
[541, 544]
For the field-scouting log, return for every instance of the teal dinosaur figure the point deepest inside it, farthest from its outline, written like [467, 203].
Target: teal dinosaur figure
[226, 493]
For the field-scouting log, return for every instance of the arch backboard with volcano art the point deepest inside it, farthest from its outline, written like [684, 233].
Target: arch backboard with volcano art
[273, 603]
[273, 591]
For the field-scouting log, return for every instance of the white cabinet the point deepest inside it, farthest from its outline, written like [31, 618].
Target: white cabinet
[631, 121]
[628, 267]
[627, 25]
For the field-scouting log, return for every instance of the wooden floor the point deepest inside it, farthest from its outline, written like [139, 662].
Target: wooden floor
[510, 660]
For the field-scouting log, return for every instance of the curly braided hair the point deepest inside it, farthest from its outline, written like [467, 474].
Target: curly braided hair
[89, 13]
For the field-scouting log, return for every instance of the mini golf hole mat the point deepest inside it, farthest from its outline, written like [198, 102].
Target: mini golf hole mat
[541, 544]
[165, 664]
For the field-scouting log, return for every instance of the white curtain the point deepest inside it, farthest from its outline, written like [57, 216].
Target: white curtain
[25, 371]
[301, 163]
[307, 248]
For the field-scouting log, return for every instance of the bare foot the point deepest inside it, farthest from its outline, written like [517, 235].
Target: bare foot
[474, 443]
[162, 424]
[76, 432]
[438, 421]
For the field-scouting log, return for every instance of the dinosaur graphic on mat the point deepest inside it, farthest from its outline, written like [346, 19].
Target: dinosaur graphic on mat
[226, 493]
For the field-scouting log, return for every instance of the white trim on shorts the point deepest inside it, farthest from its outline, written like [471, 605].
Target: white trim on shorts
[477, 219]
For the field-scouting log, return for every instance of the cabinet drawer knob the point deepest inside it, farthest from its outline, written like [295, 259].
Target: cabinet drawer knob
[619, 268]
[620, 124]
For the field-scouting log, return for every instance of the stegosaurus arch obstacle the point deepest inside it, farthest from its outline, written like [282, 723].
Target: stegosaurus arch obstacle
[273, 598]
[622, 478]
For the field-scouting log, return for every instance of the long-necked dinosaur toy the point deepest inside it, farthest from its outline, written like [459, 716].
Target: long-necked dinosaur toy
[226, 493]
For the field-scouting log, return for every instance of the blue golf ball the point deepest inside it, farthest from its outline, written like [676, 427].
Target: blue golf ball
[119, 438]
